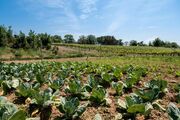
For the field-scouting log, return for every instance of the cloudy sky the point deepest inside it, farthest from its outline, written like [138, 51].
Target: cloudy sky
[141, 20]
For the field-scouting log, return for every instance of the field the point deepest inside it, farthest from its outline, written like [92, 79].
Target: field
[110, 50]
[93, 83]
[77, 50]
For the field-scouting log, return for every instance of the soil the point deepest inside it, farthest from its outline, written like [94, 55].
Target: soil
[109, 112]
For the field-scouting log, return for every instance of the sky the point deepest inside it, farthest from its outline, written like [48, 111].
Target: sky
[141, 20]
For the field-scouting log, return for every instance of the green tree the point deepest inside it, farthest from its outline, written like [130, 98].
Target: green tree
[45, 40]
[107, 40]
[21, 41]
[10, 38]
[3, 36]
[56, 39]
[120, 42]
[133, 43]
[91, 39]
[141, 43]
[69, 38]
[82, 39]
[174, 45]
[31, 39]
[158, 42]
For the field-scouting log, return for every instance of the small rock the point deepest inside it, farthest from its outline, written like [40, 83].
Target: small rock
[118, 116]
[108, 101]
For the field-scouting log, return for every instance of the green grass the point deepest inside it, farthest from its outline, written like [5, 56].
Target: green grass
[4, 50]
[147, 61]
[110, 54]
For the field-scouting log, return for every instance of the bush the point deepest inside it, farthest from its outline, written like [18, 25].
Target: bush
[18, 53]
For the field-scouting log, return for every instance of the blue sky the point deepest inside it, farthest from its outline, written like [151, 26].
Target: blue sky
[141, 20]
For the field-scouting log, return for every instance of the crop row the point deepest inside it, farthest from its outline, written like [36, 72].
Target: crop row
[71, 88]
[108, 50]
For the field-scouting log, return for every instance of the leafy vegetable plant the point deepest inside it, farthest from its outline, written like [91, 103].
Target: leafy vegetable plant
[98, 95]
[71, 108]
[9, 111]
[118, 86]
[173, 112]
[74, 88]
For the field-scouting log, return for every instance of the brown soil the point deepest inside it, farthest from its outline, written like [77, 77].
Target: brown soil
[7, 56]
[157, 115]
[64, 50]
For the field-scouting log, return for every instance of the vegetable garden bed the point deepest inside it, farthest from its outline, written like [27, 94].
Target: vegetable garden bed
[83, 90]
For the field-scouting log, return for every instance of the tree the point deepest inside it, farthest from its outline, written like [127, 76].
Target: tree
[171, 45]
[126, 43]
[10, 38]
[45, 40]
[91, 39]
[120, 42]
[141, 43]
[21, 41]
[69, 38]
[3, 36]
[31, 39]
[133, 43]
[82, 39]
[56, 39]
[107, 40]
[158, 42]
[174, 45]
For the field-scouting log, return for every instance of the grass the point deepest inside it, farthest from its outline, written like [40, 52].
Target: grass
[140, 60]
[106, 58]
[25, 54]
[9, 53]
[4, 50]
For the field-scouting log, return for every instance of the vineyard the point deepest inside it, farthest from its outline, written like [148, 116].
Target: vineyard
[60, 50]
[86, 91]
[112, 50]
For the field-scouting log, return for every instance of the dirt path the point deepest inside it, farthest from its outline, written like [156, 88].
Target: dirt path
[55, 60]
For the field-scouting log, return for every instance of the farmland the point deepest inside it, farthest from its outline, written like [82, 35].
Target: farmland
[125, 87]
[129, 83]
[77, 50]
[89, 60]
[110, 50]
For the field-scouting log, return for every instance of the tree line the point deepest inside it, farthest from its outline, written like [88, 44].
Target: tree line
[32, 40]
[44, 40]
[111, 40]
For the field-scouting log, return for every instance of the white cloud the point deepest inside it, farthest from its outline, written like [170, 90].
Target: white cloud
[57, 14]
[132, 18]
[86, 7]
[134, 12]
